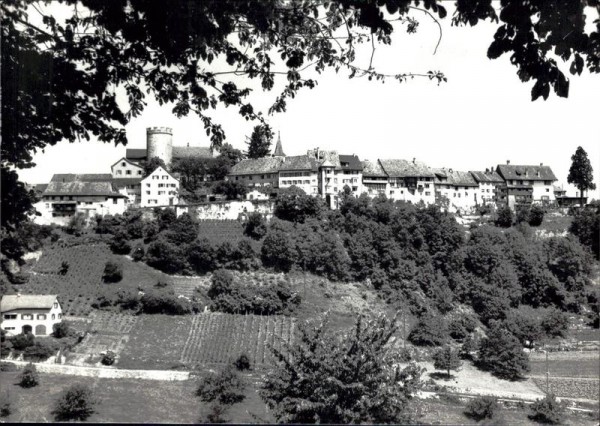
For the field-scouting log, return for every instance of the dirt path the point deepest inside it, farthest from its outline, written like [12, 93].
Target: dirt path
[108, 373]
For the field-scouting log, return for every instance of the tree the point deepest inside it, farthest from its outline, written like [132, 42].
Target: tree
[504, 218]
[278, 251]
[226, 387]
[259, 143]
[536, 215]
[502, 354]
[75, 403]
[547, 410]
[586, 227]
[482, 407]
[29, 377]
[113, 272]
[446, 359]
[256, 226]
[231, 189]
[61, 329]
[76, 224]
[152, 164]
[294, 205]
[431, 330]
[166, 257]
[326, 377]
[581, 173]
[201, 256]
[232, 154]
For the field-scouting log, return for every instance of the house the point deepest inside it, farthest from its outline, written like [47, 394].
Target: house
[410, 181]
[257, 172]
[488, 181]
[69, 194]
[374, 179]
[300, 171]
[35, 314]
[458, 189]
[159, 188]
[524, 185]
[351, 173]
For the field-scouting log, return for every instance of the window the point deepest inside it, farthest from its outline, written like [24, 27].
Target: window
[59, 316]
[426, 185]
[427, 192]
[262, 176]
[9, 328]
[249, 177]
[139, 172]
[236, 178]
[148, 185]
[119, 172]
[55, 305]
[161, 192]
[123, 164]
[115, 201]
[147, 192]
[10, 316]
[547, 189]
[53, 316]
[27, 316]
[41, 316]
[127, 172]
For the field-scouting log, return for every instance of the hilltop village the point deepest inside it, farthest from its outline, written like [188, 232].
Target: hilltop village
[319, 172]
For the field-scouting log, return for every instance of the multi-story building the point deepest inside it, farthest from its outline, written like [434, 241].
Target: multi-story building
[301, 171]
[29, 314]
[160, 188]
[458, 189]
[524, 185]
[375, 180]
[352, 173]
[488, 182]
[127, 177]
[410, 181]
[257, 172]
[68, 194]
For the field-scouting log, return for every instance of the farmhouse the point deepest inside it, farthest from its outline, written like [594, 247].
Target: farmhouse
[524, 185]
[160, 188]
[35, 314]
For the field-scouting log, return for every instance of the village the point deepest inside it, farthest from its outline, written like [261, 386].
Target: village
[318, 173]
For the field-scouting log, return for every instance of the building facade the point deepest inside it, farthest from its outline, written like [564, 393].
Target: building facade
[458, 190]
[410, 181]
[524, 185]
[29, 314]
[489, 181]
[159, 188]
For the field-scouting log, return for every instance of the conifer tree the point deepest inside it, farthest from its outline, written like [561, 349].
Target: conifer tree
[581, 172]
[259, 144]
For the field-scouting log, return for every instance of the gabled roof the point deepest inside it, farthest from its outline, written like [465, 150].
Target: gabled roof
[126, 160]
[321, 157]
[12, 302]
[192, 151]
[404, 168]
[350, 162]
[514, 172]
[487, 177]
[299, 162]
[135, 153]
[72, 177]
[454, 177]
[160, 168]
[373, 169]
[78, 188]
[253, 166]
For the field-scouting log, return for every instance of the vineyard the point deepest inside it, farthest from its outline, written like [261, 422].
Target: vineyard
[82, 283]
[571, 387]
[220, 231]
[217, 338]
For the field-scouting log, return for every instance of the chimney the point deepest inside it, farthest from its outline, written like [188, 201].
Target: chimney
[487, 170]
[507, 162]
[541, 164]
[414, 160]
[188, 144]
[450, 170]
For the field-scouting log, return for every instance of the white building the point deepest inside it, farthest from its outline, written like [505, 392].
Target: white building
[410, 181]
[159, 188]
[69, 194]
[524, 185]
[458, 189]
[488, 181]
[375, 181]
[35, 314]
[126, 178]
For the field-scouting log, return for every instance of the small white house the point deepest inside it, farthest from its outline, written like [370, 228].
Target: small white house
[29, 314]
[160, 188]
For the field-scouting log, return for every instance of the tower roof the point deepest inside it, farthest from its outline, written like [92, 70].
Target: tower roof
[278, 148]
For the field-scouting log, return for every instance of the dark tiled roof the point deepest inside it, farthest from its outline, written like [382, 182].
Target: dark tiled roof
[372, 169]
[135, 154]
[454, 177]
[26, 301]
[350, 162]
[509, 171]
[192, 151]
[487, 177]
[252, 166]
[321, 157]
[72, 177]
[78, 188]
[299, 162]
[38, 188]
[404, 168]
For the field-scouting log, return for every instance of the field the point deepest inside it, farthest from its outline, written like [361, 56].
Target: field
[566, 364]
[220, 231]
[82, 284]
[165, 342]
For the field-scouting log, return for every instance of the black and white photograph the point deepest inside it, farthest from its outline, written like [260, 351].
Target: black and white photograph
[300, 212]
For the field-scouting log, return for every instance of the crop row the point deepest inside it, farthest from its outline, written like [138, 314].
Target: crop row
[571, 387]
[217, 338]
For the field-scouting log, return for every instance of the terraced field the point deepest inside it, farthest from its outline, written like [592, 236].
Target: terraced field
[219, 231]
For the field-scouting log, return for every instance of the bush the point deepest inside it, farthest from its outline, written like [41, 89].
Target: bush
[109, 358]
[61, 329]
[242, 363]
[461, 327]
[586, 227]
[29, 377]
[480, 408]
[8, 367]
[536, 215]
[429, 331]
[120, 245]
[216, 415]
[226, 387]
[22, 341]
[501, 353]
[5, 408]
[547, 410]
[164, 303]
[64, 268]
[523, 215]
[41, 350]
[138, 253]
[256, 227]
[504, 218]
[113, 272]
[75, 403]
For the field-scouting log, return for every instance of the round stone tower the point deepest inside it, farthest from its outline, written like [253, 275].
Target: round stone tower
[159, 143]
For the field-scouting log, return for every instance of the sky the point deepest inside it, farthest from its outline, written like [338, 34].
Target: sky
[481, 117]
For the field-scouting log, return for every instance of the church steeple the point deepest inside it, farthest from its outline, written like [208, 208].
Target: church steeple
[278, 148]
